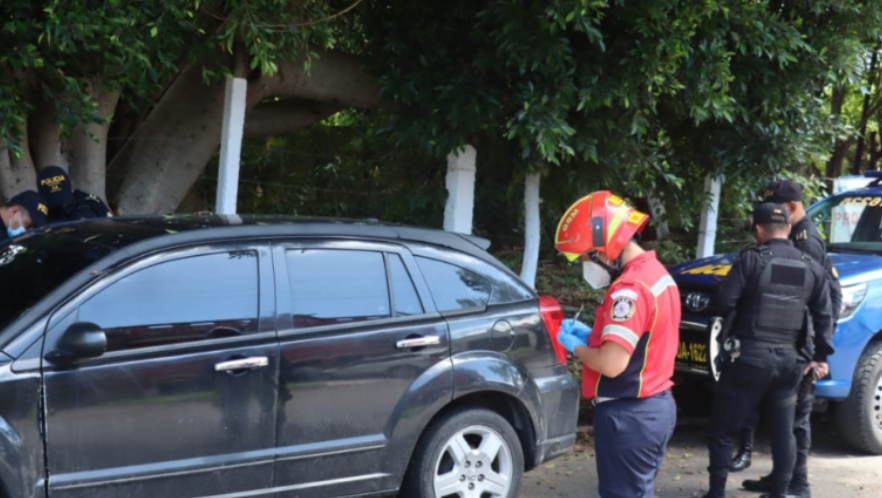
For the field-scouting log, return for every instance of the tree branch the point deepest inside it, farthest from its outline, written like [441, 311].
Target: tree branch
[287, 116]
[336, 78]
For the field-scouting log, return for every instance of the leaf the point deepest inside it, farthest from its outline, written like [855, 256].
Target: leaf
[154, 31]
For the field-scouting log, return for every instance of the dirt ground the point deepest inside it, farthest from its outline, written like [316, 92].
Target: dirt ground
[835, 471]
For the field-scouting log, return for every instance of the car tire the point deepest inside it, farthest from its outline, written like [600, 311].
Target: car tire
[472, 452]
[860, 415]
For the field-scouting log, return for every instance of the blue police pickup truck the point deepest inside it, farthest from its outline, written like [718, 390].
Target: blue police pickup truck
[851, 222]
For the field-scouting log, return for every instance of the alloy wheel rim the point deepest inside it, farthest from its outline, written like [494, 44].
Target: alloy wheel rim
[476, 462]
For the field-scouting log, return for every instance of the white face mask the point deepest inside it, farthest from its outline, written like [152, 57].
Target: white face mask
[596, 276]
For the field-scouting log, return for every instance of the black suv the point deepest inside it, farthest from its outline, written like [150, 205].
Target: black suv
[235, 357]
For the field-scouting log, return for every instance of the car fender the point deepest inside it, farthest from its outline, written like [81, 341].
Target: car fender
[481, 371]
[851, 340]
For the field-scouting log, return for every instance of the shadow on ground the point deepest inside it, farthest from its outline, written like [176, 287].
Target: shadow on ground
[835, 471]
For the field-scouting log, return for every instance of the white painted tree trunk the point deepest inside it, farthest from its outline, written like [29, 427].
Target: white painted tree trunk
[707, 233]
[231, 145]
[657, 210]
[532, 231]
[458, 211]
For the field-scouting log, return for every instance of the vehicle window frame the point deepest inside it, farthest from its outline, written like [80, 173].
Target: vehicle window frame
[283, 285]
[482, 268]
[64, 314]
[461, 311]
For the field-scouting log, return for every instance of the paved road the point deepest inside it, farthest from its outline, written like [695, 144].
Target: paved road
[835, 471]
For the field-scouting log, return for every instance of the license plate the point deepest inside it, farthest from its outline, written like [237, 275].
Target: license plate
[694, 352]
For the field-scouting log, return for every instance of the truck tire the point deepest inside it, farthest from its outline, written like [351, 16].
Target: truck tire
[860, 415]
[451, 460]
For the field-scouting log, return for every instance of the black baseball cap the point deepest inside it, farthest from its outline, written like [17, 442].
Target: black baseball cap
[34, 204]
[55, 186]
[770, 212]
[782, 191]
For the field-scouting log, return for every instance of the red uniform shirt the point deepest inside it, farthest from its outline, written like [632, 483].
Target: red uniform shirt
[640, 312]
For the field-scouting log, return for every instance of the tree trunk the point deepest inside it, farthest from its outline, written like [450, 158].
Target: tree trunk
[171, 148]
[47, 146]
[168, 152]
[286, 116]
[88, 157]
[17, 174]
[532, 229]
[834, 164]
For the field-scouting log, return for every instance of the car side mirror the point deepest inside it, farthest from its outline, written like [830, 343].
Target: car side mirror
[81, 341]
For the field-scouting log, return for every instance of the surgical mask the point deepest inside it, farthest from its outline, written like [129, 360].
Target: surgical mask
[15, 232]
[597, 276]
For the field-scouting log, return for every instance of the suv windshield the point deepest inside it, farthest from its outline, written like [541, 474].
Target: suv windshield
[32, 268]
[850, 221]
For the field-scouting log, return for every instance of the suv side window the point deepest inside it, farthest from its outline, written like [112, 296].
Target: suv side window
[184, 300]
[454, 288]
[335, 286]
[407, 301]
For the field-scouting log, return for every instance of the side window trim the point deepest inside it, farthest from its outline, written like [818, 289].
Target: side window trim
[284, 318]
[60, 315]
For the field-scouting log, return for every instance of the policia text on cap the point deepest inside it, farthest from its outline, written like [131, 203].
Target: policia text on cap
[776, 291]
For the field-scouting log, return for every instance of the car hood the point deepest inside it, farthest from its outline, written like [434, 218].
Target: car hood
[852, 268]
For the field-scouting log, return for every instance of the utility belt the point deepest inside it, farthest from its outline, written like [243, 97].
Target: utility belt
[733, 347]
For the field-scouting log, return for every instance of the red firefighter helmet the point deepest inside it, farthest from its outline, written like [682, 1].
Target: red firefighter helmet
[601, 222]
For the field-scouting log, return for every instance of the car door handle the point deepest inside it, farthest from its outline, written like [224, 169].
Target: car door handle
[418, 342]
[242, 364]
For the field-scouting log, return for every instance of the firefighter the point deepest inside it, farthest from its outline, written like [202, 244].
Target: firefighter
[775, 291]
[628, 381]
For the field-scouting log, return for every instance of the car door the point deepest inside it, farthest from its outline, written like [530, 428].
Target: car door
[183, 402]
[355, 336]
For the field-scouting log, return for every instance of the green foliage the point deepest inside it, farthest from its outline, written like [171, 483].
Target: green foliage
[53, 49]
[666, 91]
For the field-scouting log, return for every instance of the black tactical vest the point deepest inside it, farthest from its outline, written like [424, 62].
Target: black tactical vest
[780, 301]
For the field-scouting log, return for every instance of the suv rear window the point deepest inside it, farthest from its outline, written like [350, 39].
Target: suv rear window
[454, 288]
[36, 266]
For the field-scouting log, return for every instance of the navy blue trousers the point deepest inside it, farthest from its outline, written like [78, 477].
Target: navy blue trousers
[631, 437]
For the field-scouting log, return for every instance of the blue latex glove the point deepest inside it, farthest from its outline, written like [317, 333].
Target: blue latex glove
[576, 328]
[570, 341]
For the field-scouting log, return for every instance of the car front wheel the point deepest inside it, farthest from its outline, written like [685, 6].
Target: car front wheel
[467, 453]
[860, 415]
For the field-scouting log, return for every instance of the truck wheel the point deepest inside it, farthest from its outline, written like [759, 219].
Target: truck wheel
[860, 415]
[469, 452]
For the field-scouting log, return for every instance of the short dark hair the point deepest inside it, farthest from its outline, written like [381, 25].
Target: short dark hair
[775, 228]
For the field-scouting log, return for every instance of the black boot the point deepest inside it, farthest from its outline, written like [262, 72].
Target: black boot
[742, 459]
[761, 485]
[717, 488]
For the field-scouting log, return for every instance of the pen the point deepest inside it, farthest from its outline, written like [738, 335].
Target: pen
[576, 317]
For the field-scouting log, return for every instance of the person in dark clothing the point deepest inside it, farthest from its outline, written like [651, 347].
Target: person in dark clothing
[65, 203]
[775, 291]
[806, 238]
[25, 211]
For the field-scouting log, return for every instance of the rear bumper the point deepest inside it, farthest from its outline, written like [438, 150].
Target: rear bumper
[559, 397]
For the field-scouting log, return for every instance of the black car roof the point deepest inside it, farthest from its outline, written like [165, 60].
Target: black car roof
[143, 233]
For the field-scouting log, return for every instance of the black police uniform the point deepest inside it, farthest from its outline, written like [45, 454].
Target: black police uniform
[805, 237]
[772, 287]
[84, 207]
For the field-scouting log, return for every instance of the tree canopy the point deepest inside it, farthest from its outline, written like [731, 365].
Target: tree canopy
[128, 93]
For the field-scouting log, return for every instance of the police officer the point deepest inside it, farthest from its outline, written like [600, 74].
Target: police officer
[628, 380]
[65, 203]
[806, 238]
[26, 210]
[774, 289]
